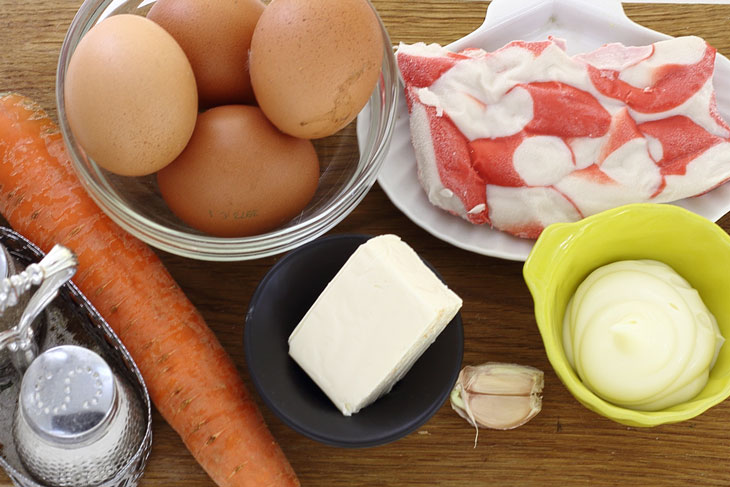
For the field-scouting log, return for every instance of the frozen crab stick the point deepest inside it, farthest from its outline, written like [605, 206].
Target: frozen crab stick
[191, 379]
[526, 135]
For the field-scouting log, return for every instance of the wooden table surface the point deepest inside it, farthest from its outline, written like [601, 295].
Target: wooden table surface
[564, 445]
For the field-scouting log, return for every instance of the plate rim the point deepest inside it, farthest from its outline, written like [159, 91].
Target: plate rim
[507, 247]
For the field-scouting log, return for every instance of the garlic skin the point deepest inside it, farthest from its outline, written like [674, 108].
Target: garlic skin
[498, 395]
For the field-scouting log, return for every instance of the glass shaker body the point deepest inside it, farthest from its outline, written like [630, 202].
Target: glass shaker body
[77, 423]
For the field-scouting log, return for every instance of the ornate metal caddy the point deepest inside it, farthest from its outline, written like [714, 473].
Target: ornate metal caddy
[54, 320]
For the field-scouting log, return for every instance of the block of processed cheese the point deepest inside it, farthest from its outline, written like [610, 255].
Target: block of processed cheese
[371, 323]
[527, 135]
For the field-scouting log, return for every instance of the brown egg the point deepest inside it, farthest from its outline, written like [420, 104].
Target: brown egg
[314, 63]
[239, 175]
[216, 36]
[130, 95]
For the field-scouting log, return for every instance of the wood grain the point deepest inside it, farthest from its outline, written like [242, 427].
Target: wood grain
[564, 445]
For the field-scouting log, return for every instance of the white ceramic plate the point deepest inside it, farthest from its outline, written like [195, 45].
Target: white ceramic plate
[585, 25]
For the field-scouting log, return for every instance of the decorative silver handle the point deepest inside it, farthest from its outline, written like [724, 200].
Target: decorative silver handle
[52, 272]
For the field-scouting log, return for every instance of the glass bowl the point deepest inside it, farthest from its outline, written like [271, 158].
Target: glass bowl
[349, 163]
[565, 253]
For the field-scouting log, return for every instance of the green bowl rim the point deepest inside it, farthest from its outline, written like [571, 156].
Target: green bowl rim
[566, 234]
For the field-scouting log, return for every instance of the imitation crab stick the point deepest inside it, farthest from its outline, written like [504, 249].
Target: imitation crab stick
[191, 379]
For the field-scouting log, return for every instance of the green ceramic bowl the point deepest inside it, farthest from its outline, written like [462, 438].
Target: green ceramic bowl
[566, 253]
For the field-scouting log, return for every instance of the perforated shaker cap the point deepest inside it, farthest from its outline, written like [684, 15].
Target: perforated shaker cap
[68, 395]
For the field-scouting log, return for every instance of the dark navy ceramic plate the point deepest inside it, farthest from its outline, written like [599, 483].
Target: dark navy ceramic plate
[280, 301]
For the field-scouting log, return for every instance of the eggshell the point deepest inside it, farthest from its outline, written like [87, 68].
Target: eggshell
[239, 175]
[130, 95]
[315, 63]
[216, 36]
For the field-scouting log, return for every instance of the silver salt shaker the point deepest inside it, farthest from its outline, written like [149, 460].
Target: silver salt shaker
[77, 423]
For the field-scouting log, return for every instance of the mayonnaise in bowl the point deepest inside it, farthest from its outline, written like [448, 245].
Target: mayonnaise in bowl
[639, 336]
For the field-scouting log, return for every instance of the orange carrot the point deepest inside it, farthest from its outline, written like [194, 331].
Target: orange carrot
[191, 380]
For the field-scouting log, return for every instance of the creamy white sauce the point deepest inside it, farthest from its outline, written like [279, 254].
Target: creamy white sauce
[639, 336]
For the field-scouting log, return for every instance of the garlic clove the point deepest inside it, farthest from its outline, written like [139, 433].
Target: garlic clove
[503, 412]
[498, 395]
[502, 379]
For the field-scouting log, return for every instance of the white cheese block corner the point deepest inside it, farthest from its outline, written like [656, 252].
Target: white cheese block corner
[371, 323]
